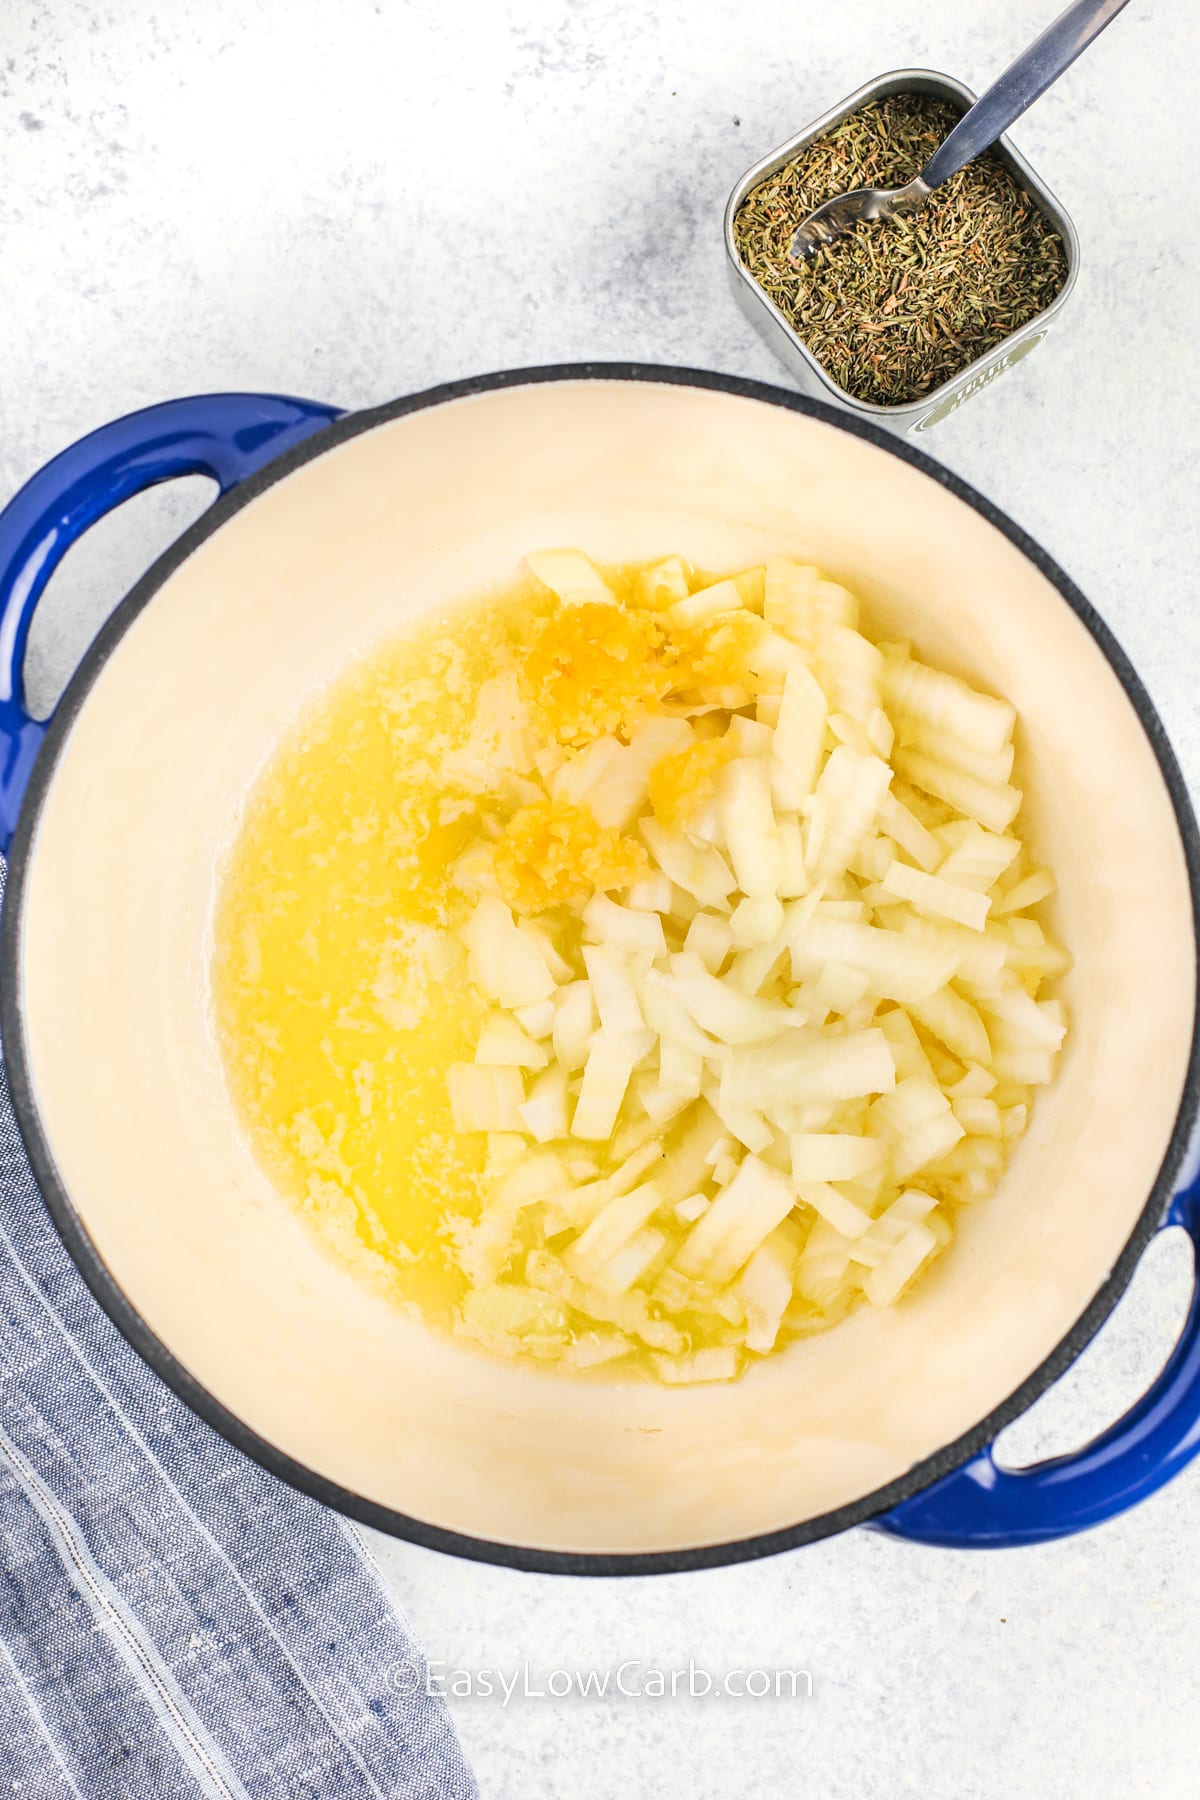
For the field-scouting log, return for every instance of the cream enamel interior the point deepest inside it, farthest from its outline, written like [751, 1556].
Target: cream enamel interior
[115, 929]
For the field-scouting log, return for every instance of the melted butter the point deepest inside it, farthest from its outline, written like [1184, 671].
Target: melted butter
[339, 996]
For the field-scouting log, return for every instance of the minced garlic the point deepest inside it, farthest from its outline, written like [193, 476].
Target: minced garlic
[594, 669]
[553, 852]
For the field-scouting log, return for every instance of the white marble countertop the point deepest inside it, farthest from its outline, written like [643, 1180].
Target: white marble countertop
[351, 199]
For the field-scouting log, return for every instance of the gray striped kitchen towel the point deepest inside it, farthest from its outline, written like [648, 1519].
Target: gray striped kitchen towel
[174, 1622]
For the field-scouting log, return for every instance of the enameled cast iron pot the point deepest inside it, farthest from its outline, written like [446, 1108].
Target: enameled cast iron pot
[330, 532]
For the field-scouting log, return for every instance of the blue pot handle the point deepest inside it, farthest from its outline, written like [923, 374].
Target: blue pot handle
[983, 1506]
[225, 436]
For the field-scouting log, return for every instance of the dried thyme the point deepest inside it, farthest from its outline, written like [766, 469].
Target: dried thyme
[898, 307]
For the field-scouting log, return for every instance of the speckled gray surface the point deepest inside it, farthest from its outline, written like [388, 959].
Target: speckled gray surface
[354, 198]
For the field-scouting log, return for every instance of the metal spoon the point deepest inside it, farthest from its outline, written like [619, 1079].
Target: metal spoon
[1023, 82]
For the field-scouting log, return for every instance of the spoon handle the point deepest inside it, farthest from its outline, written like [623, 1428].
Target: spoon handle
[1020, 85]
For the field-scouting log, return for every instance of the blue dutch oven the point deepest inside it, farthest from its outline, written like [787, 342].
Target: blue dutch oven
[330, 530]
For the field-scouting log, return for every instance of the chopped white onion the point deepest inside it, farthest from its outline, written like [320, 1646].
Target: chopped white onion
[818, 990]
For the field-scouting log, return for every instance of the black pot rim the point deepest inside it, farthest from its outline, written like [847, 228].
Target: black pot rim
[125, 1316]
